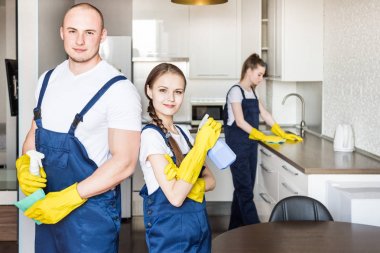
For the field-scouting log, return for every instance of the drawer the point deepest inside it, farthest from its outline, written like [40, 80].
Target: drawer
[293, 176]
[264, 204]
[267, 157]
[268, 179]
[288, 188]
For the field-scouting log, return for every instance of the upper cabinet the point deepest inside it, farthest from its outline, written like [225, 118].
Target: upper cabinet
[160, 29]
[214, 41]
[295, 40]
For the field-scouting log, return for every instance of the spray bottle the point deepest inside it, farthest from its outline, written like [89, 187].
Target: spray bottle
[35, 161]
[35, 165]
[220, 154]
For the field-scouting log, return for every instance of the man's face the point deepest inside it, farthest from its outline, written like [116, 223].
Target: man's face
[81, 34]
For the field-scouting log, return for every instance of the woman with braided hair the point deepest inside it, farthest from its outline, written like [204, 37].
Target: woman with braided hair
[175, 214]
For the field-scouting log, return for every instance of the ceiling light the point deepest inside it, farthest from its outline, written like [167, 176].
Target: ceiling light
[199, 2]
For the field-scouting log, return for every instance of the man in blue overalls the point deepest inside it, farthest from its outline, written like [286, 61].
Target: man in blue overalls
[87, 123]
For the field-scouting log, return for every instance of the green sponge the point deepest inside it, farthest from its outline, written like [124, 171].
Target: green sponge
[276, 142]
[27, 202]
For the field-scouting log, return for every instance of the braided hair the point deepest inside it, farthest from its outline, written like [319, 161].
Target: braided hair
[157, 72]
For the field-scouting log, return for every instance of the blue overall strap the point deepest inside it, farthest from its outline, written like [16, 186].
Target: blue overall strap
[37, 110]
[79, 116]
[242, 92]
[225, 110]
[152, 126]
[186, 138]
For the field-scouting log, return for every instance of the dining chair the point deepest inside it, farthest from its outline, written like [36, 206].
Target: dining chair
[300, 208]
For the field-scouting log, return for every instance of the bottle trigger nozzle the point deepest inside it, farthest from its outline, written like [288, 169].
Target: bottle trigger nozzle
[35, 161]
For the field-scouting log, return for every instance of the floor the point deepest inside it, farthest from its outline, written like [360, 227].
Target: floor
[132, 235]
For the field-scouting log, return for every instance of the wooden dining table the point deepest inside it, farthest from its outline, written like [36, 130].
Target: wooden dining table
[299, 236]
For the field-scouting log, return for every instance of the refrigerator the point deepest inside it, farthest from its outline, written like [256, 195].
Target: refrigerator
[117, 51]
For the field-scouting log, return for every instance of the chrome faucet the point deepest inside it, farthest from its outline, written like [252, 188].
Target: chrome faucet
[302, 124]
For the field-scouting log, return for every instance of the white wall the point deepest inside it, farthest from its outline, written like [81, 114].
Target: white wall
[351, 88]
[50, 45]
[28, 76]
[10, 52]
[3, 78]
[117, 15]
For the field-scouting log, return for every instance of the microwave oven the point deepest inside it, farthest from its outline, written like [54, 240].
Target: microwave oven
[213, 107]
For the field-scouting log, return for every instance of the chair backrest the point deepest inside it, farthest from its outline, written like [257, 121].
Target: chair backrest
[300, 208]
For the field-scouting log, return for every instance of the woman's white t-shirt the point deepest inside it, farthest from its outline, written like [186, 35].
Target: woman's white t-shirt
[152, 143]
[67, 94]
[235, 96]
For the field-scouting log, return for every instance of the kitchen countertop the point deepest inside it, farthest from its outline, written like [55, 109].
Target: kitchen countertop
[316, 155]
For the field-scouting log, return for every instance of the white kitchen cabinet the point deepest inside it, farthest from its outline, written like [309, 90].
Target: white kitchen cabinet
[213, 46]
[295, 40]
[268, 173]
[160, 29]
[276, 179]
[266, 186]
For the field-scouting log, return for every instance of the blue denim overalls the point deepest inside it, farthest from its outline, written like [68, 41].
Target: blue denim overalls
[243, 209]
[94, 226]
[171, 229]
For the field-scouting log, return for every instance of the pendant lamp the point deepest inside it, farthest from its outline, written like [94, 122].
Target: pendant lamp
[199, 2]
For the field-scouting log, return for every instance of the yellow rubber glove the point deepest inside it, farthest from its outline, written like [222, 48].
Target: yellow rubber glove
[192, 164]
[56, 205]
[276, 129]
[259, 136]
[198, 191]
[171, 168]
[28, 182]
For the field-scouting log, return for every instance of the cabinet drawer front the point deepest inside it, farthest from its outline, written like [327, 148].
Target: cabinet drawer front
[264, 204]
[266, 155]
[288, 188]
[293, 175]
[269, 179]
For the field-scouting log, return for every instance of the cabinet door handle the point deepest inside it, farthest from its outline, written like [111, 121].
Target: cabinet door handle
[273, 76]
[289, 170]
[211, 75]
[262, 195]
[264, 153]
[286, 186]
[266, 169]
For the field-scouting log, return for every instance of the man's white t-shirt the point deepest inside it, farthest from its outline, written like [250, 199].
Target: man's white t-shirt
[67, 94]
[152, 143]
[235, 96]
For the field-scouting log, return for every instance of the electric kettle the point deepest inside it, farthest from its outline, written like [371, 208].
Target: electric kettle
[344, 138]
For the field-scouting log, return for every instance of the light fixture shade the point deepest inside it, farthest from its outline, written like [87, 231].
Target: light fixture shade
[199, 2]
